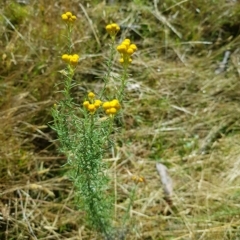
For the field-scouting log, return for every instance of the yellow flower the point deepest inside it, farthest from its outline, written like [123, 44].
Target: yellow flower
[64, 17]
[130, 60]
[111, 107]
[125, 61]
[106, 105]
[73, 18]
[65, 57]
[112, 111]
[70, 59]
[68, 17]
[122, 48]
[133, 46]
[126, 50]
[69, 14]
[138, 179]
[115, 27]
[86, 104]
[130, 51]
[115, 103]
[109, 28]
[97, 103]
[91, 108]
[112, 29]
[74, 59]
[126, 42]
[91, 95]
[92, 105]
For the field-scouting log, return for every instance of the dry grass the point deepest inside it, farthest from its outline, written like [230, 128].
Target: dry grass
[178, 112]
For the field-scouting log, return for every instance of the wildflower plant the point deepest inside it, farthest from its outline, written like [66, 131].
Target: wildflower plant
[84, 131]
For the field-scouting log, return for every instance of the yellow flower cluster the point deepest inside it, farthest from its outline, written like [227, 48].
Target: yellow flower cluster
[138, 179]
[68, 17]
[126, 49]
[112, 29]
[93, 104]
[111, 107]
[71, 59]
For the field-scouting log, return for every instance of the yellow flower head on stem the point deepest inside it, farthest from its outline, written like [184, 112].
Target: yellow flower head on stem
[106, 105]
[91, 95]
[122, 48]
[86, 104]
[111, 107]
[97, 103]
[91, 108]
[112, 111]
[112, 30]
[71, 59]
[68, 17]
[115, 104]
[126, 50]
[133, 46]
[65, 58]
[126, 42]
[64, 17]
[69, 14]
[92, 105]
[74, 59]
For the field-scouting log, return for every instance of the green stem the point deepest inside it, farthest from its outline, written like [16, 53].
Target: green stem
[69, 38]
[68, 84]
